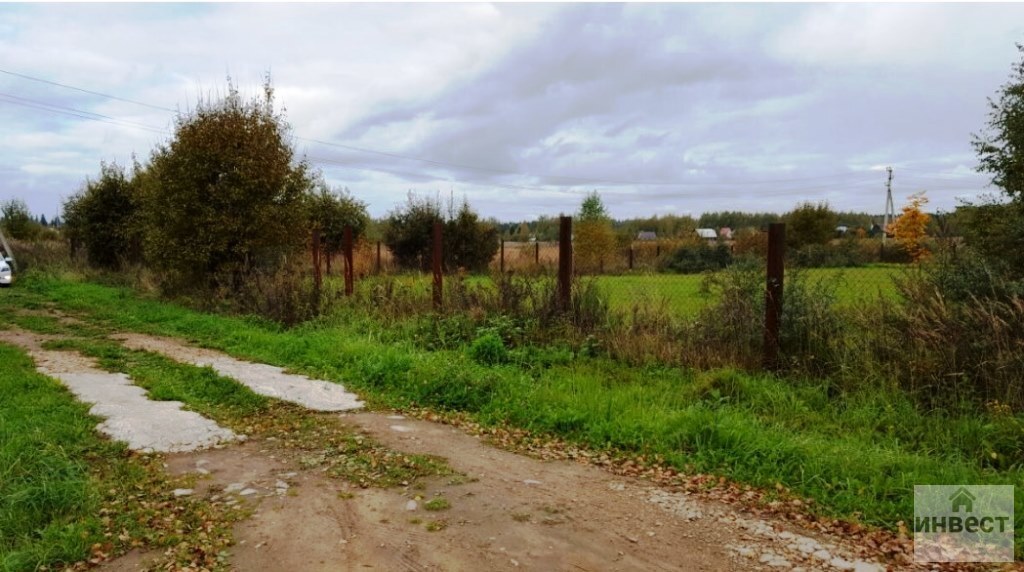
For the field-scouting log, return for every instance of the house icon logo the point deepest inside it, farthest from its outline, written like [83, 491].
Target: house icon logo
[962, 499]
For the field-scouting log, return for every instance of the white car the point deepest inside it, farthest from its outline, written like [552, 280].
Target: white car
[6, 273]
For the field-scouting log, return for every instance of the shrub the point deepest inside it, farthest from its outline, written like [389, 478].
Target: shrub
[838, 254]
[104, 219]
[332, 211]
[810, 224]
[693, 259]
[468, 243]
[488, 349]
[17, 220]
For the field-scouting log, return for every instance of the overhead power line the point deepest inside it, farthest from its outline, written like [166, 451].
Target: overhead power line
[78, 113]
[839, 180]
[90, 92]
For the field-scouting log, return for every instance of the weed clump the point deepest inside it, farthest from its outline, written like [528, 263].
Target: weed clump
[488, 349]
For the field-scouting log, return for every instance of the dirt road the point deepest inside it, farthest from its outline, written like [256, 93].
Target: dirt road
[504, 512]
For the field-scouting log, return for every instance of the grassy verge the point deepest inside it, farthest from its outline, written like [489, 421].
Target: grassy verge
[858, 453]
[68, 496]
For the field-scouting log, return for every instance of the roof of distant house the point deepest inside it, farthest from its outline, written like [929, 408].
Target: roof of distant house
[647, 235]
[707, 233]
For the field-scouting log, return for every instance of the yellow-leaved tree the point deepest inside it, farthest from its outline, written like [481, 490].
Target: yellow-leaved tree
[910, 228]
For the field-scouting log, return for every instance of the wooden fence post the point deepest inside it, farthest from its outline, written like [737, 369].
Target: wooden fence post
[536, 253]
[630, 257]
[565, 263]
[774, 293]
[437, 253]
[501, 266]
[378, 257]
[349, 271]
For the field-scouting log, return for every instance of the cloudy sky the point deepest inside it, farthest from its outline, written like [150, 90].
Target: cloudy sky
[523, 108]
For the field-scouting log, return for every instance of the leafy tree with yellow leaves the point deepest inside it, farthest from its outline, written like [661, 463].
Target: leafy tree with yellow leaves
[910, 227]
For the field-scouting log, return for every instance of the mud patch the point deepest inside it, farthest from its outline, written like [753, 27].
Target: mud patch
[145, 425]
[263, 379]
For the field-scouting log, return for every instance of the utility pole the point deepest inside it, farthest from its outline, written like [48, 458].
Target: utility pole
[889, 210]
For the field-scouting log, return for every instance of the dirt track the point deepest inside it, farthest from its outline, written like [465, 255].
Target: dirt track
[510, 512]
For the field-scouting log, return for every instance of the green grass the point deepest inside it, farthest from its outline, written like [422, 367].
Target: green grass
[682, 294]
[857, 454]
[47, 496]
[68, 495]
[679, 294]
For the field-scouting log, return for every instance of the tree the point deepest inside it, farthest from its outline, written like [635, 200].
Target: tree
[993, 226]
[103, 217]
[468, 242]
[409, 230]
[332, 211]
[592, 208]
[810, 223]
[17, 220]
[1000, 148]
[910, 228]
[225, 197]
[594, 238]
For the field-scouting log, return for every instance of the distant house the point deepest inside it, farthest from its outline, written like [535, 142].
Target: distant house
[707, 233]
[647, 235]
[725, 233]
[842, 229]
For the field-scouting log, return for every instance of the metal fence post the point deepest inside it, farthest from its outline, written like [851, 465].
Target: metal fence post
[502, 264]
[349, 271]
[630, 257]
[565, 263]
[536, 253]
[378, 257]
[437, 253]
[773, 293]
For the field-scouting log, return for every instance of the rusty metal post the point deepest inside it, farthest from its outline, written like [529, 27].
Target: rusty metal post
[536, 253]
[501, 266]
[349, 271]
[378, 257]
[565, 263]
[773, 294]
[630, 257]
[436, 255]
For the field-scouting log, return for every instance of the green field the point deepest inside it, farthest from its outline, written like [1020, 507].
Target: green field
[682, 293]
